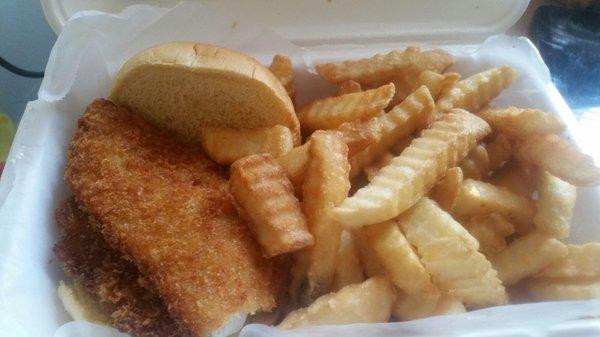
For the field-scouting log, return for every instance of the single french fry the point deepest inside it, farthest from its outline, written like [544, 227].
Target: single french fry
[266, 195]
[581, 261]
[411, 175]
[228, 145]
[295, 162]
[281, 67]
[480, 198]
[326, 185]
[398, 258]
[476, 164]
[368, 257]
[554, 205]
[367, 302]
[395, 125]
[557, 156]
[384, 68]
[349, 87]
[449, 253]
[450, 80]
[408, 307]
[329, 113]
[475, 92]
[521, 123]
[498, 151]
[526, 256]
[517, 177]
[491, 231]
[347, 269]
[563, 290]
[446, 190]
[371, 171]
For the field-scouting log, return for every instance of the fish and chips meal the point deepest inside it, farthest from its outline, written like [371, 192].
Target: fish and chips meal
[202, 199]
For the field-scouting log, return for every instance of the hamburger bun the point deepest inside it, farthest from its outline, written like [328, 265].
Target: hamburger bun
[184, 86]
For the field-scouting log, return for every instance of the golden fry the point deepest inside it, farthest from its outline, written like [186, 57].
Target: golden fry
[435, 82]
[395, 125]
[281, 67]
[384, 68]
[554, 205]
[476, 164]
[347, 269]
[581, 261]
[331, 112]
[475, 92]
[368, 257]
[398, 258]
[409, 307]
[326, 185]
[563, 290]
[526, 256]
[228, 145]
[491, 231]
[349, 87]
[521, 123]
[295, 162]
[449, 253]
[411, 175]
[480, 198]
[557, 156]
[446, 189]
[368, 302]
[517, 177]
[371, 171]
[266, 195]
[498, 151]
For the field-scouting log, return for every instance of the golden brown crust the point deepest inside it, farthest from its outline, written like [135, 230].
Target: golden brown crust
[106, 275]
[166, 207]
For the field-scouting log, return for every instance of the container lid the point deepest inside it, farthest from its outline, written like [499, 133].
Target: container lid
[314, 22]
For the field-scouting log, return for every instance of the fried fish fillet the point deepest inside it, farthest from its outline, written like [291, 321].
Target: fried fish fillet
[167, 208]
[106, 275]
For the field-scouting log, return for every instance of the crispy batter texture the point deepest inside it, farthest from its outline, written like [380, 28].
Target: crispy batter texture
[167, 208]
[106, 275]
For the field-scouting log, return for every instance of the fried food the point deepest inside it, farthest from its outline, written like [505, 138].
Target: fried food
[349, 87]
[367, 302]
[517, 177]
[480, 198]
[451, 256]
[498, 151]
[563, 290]
[378, 69]
[228, 145]
[557, 156]
[325, 186]
[526, 256]
[435, 82]
[411, 175]
[130, 303]
[408, 307]
[446, 190]
[267, 198]
[581, 261]
[371, 171]
[390, 128]
[331, 112]
[554, 205]
[521, 123]
[491, 231]
[476, 164]
[475, 92]
[166, 207]
[347, 263]
[281, 67]
[398, 258]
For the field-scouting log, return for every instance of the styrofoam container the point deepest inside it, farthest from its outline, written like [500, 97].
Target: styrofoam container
[93, 45]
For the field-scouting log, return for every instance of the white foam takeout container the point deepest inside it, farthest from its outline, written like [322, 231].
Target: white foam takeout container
[93, 45]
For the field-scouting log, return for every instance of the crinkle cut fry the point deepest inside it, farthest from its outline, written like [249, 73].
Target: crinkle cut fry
[411, 175]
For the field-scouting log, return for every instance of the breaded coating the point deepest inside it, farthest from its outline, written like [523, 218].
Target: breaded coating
[107, 276]
[167, 208]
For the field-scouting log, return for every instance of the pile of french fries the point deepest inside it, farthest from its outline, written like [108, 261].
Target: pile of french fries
[410, 196]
